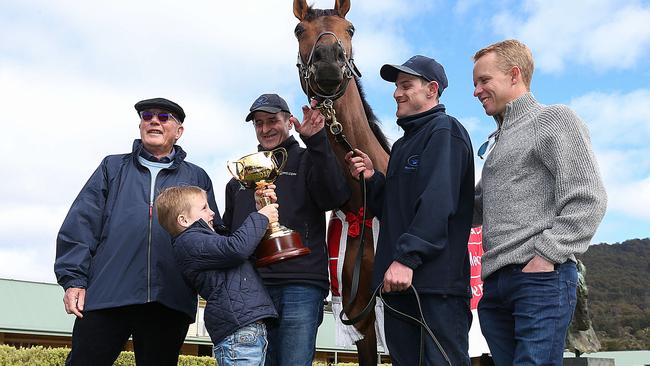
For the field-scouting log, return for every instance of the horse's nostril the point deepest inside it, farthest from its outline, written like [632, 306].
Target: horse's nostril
[318, 54]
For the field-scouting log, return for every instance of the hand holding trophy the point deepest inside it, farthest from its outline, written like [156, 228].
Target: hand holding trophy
[258, 171]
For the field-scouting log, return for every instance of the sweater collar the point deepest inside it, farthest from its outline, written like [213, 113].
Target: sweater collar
[516, 108]
[412, 122]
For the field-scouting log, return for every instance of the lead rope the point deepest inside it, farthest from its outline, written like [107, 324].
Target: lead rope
[326, 108]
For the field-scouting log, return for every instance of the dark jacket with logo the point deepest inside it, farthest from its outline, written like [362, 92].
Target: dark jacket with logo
[311, 183]
[219, 269]
[111, 244]
[426, 203]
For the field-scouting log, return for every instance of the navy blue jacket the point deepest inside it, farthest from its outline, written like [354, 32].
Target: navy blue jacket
[426, 203]
[219, 269]
[111, 243]
[311, 184]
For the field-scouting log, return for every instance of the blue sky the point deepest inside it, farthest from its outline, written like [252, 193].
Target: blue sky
[70, 72]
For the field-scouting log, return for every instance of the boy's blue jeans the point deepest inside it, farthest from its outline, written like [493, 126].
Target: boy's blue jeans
[525, 316]
[245, 347]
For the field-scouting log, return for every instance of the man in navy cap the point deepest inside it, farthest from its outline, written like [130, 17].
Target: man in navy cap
[113, 259]
[310, 184]
[425, 206]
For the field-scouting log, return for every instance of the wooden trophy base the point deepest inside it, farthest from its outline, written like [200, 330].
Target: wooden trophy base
[279, 248]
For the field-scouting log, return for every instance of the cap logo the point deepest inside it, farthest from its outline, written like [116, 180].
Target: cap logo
[262, 101]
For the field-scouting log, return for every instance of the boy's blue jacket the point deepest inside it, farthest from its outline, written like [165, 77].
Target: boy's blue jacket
[111, 243]
[219, 269]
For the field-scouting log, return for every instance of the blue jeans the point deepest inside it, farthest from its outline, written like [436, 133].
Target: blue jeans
[292, 337]
[448, 317]
[245, 347]
[525, 316]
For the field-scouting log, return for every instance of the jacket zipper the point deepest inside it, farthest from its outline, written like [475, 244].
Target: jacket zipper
[149, 253]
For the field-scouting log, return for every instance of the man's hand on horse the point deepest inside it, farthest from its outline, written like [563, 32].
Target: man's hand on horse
[312, 120]
[398, 277]
[359, 162]
[74, 300]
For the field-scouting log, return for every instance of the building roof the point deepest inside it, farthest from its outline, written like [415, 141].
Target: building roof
[37, 308]
[33, 308]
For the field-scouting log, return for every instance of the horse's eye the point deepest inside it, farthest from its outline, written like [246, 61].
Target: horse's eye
[299, 30]
[351, 30]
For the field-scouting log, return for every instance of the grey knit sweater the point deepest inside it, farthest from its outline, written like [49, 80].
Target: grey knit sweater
[540, 190]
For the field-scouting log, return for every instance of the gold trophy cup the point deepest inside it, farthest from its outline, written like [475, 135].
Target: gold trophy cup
[255, 171]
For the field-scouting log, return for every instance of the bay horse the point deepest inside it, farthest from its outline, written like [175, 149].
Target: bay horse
[327, 72]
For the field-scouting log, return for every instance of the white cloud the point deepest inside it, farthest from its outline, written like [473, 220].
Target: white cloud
[604, 34]
[71, 72]
[28, 264]
[619, 124]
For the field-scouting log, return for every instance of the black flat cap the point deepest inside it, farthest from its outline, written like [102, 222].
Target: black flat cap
[161, 103]
[270, 103]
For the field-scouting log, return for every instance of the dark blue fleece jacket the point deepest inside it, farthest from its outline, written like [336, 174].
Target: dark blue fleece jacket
[425, 203]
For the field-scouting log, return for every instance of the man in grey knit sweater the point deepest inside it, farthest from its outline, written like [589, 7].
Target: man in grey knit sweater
[540, 200]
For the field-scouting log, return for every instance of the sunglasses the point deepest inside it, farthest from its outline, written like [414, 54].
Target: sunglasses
[488, 145]
[162, 116]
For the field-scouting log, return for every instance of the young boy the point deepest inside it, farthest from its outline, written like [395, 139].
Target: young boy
[218, 268]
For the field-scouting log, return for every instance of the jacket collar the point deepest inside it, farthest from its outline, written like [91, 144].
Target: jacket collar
[288, 144]
[178, 155]
[198, 224]
[412, 122]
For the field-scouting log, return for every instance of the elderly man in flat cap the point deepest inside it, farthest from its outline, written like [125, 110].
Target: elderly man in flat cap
[113, 259]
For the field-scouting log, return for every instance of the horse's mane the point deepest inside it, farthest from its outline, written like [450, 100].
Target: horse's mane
[373, 121]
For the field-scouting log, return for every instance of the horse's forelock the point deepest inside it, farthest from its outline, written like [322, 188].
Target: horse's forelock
[316, 13]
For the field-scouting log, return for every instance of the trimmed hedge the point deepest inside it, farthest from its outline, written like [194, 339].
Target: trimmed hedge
[41, 356]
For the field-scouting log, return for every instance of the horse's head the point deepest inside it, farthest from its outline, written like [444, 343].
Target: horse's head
[325, 49]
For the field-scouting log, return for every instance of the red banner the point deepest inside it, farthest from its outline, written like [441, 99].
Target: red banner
[475, 249]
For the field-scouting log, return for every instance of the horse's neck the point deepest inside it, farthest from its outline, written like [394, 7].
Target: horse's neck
[351, 115]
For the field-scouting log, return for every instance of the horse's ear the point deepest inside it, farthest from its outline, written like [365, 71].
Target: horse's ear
[342, 7]
[300, 9]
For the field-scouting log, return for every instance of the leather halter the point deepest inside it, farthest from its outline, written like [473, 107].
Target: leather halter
[307, 71]
[326, 106]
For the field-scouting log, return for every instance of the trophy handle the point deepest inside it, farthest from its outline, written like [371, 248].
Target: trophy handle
[285, 156]
[236, 165]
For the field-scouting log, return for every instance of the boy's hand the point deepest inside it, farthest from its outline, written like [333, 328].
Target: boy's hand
[271, 212]
[268, 192]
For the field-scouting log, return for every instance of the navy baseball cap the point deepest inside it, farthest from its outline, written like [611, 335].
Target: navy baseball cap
[421, 66]
[270, 103]
[161, 103]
